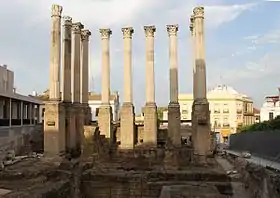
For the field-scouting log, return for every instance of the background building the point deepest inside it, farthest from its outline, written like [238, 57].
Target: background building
[229, 110]
[94, 101]
[270, 108]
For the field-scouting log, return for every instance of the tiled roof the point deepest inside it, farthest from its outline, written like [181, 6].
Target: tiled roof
[256, 111]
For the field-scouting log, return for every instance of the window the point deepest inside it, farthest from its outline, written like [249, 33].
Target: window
[225, 109]
[184, 111]
[225, 121]
[271, 116]
[216, 108]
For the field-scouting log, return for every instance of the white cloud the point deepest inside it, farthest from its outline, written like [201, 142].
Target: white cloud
[215, 15]
[91, 12]
[271, 37]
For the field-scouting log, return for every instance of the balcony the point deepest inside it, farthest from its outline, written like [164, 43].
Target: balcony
[216, 111]
[225, 111]
[239, 111]
[226, 125]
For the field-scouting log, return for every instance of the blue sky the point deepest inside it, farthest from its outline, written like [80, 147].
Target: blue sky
[242, 43]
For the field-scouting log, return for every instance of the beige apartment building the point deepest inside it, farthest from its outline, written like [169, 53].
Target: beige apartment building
[229, 110]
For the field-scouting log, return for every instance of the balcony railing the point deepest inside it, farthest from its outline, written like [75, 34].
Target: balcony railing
[225, 111]
[226, 125]
[239, 111]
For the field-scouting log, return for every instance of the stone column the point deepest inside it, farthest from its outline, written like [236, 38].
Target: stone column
[174, 116]
[192, 29]
[66, 82]
[54, 120]
[127, 111]
[75, 124]
[150, 110]
[201, 113]
[66, 60]
[105, 110]
[76, 61]
[55, 55]
[84, 74]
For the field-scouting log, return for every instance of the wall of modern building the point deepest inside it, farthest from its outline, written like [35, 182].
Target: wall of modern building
[229, 109]
[270, 108]
[95, 103]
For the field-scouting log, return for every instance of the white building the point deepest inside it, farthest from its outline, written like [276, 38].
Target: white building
[229, 109]
[94, 101]
[270, 108]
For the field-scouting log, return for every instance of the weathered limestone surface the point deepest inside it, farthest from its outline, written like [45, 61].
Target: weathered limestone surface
[105, 110]
[174, 115]
[200, 109]
[55, 55]
[85, 34]
[105, 120]
[76, 62]
[150, 110]
[127, 111]
[150, 125]
[70, 127]
[66, 60]
[54, 128]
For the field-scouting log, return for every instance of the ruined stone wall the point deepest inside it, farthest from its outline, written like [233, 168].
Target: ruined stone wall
[257, 143]
[259, 181]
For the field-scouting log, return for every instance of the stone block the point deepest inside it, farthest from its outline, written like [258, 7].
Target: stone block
[54, 128]
[150, 124]
[174, 123]
[201, 125]
[105, 121]
[127, 126]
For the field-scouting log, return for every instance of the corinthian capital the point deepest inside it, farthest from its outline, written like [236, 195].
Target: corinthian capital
[105, 33]
[127, 32]
[150, 30]
[198, 12]
[77, 27]
[56, 10]
[67, 21]
[191, 23]
[85, 35]
[172, 29]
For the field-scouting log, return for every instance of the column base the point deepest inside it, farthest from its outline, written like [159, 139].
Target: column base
[54, 129]
[127, 126]
[105, 121]
[150, 125]
[174, 123]
[201, 125]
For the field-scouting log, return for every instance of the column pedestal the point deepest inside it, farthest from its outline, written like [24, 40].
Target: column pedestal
[174, 123]
[105, 121]
[79, 120]
[201, 124]
[70, 126]
[150, 125]
[127, 126]
[87, 114]
[54, 129]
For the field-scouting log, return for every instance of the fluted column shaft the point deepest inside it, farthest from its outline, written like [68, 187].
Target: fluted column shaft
[66, 59]
[55, 55]
[192, 29]
[105, 42]
[84, 65]
[76, 61]
[127, 38]
[173, 58]
[200, 70]
[150, 71]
